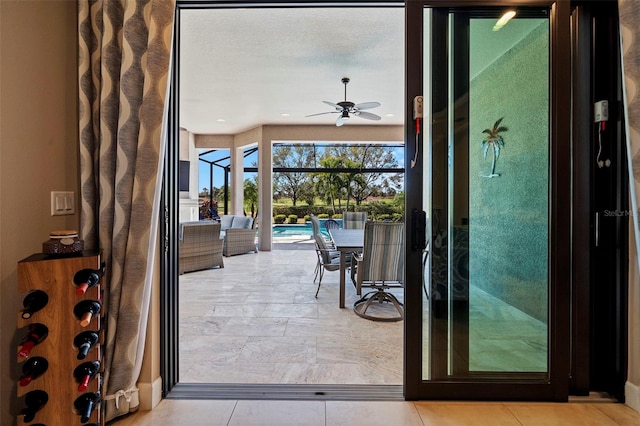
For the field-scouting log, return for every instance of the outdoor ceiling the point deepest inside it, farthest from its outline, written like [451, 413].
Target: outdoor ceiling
[250, 66]
[242, 68]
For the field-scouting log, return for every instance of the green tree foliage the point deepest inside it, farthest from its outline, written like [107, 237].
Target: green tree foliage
[364, 185]
[294, 185]
[251, 194]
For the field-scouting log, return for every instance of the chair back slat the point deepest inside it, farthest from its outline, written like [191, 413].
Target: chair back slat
[383, 252]
[354, 220]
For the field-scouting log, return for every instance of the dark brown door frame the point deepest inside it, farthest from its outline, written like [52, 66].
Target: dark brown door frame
[557, 385]
[600, 268]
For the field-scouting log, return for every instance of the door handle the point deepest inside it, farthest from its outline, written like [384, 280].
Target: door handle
[418, 230]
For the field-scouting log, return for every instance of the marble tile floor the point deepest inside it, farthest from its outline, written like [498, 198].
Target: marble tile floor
[172, 412]
[257, 321]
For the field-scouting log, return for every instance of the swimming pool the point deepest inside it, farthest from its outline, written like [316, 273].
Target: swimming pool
[291, 230]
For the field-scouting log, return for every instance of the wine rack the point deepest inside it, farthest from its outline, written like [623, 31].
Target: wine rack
[54, 275]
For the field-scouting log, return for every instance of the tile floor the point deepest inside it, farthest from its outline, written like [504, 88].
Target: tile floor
[349, 413]
[257, 321]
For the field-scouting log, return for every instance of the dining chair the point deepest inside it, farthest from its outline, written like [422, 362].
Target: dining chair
[331, 224]
[354, 220]
[328, 260]
[380, 267]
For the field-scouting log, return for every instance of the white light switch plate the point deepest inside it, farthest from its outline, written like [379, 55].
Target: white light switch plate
[62, 203]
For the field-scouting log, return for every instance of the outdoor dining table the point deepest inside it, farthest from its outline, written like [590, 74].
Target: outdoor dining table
[346, 241]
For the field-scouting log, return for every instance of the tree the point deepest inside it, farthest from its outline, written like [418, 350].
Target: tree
[369, 157]
[251, 194]
[294, 185]
[330, 186]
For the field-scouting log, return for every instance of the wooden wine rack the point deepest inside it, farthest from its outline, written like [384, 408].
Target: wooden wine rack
[54, 275]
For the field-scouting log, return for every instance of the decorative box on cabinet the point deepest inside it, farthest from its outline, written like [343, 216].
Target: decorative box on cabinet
[55, 276]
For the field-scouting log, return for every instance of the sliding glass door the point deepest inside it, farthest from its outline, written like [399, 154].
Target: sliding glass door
[488, 145]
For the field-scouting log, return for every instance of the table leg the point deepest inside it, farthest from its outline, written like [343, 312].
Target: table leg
[343, 270]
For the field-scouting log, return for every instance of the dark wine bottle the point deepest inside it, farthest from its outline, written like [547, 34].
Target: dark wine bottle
[33, 302]
[85, 404]
[35, 334]
[33, 401]
[84, 279]
[85, 341]
[84, 373]
[32, 369]
[85, 310]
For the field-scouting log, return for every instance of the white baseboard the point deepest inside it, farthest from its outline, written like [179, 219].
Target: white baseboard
[632, 395]
[150, 394]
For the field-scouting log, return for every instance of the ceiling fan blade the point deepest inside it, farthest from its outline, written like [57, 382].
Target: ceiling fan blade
[367, 105]
[322, 113]
[331, 104]
[339, 121]
[367, 115]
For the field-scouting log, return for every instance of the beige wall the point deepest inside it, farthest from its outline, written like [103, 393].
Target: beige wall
[38, 149]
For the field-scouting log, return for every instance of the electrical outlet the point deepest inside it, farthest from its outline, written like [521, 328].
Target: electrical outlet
[62, 203]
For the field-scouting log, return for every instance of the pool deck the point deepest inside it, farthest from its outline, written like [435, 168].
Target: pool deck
[293, 242]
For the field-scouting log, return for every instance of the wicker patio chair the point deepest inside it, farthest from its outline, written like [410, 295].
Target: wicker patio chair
[199, 247]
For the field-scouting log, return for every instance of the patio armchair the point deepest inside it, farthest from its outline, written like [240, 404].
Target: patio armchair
[199, 246]
[238, 235]
[380, 266]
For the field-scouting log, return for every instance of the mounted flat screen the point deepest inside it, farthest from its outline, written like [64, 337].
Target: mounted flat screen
[183, 176]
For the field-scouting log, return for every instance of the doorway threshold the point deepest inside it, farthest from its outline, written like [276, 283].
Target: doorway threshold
[286, 392]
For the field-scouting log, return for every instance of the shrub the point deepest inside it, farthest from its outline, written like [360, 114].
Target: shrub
[293, 218]
[279, 218]
[396, 217]
[307, 218]
[382, 217]
[336, 216]
[323, 216]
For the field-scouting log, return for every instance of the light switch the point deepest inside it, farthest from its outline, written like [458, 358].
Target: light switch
[62, 203]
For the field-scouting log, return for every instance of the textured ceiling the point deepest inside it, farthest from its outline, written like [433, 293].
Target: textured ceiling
[241, 68]
[250, 66]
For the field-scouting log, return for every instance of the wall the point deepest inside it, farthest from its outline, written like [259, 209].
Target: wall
[38, 149]
[508, 217]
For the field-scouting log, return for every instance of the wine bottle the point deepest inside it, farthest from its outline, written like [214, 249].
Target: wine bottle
[84, 373]
[33, 302]
[33, 401]
[32, 369]
[85, 310]
[85, 341]
[85, 404]
[84, 279]
[35, 334]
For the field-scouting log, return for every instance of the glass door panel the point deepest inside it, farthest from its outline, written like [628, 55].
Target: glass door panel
[487, 190]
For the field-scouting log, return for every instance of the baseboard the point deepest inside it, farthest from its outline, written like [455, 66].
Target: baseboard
[150, 394]
[632, 395]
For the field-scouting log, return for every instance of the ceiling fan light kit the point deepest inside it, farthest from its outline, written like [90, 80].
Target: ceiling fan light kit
[346, 108]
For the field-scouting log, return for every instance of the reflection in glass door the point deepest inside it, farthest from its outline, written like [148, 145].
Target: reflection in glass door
[488, 191]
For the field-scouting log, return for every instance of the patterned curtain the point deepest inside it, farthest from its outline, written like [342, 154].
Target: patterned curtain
[124, 59]
[629, 12]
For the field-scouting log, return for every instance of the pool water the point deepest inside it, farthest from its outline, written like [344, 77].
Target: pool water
[291, 230]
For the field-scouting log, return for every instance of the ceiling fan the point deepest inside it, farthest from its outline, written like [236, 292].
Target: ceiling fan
[347, 108]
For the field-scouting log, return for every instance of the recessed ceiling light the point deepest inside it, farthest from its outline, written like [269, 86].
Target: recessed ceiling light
[504, 19]
[221, 120]
[285, 114]
[390, 115]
